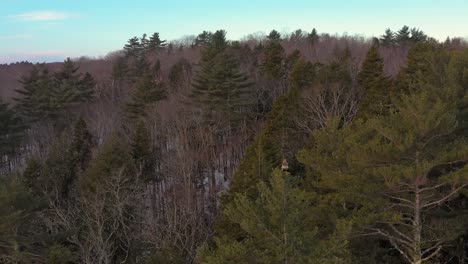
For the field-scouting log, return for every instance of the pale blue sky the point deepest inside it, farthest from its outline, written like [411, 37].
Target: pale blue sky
[51, 30]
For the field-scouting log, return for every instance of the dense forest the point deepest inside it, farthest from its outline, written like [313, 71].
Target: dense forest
[282, 148]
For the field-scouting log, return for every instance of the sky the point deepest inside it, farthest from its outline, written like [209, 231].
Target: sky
[51, 30]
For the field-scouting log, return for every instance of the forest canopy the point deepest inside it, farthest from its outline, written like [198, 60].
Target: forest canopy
[290, 148]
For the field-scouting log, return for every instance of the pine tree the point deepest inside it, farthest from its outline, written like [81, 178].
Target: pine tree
[58, 254]
[81, 146]
[279, 139]
[394, 174]
[56, 174]
[417, 35]
[388, 39]
[155, 43]
[203, 38]
[279, 227]
[403, 36]
[69, 86]
[33, 101]
[109, 192]
[139, 68]
[375, 84]
[19, 212]
[46, 96]
[111, 158]
[180, 73]
[11, 131]
[143, 152]
[86, 88]
[313, 36]
[273, 59]
[274, 36]
[457, 71]
[426, 64]
[146, 93]
[120, 70]
[297, 35]
[217, 44]
[133, 48]
[144, 43]
[222, 89]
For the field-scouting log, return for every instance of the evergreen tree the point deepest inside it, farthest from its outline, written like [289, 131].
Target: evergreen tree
[395, 174]
[155, 43]
[33, 103]
[56, 175]
[70, 87]
[417, 35]
[11, 131]
[403, 36]
[180, 73]
[46, 96]
[140, 68]
[120, 69]
[133, 48]
[58, 254]
[375, 84]
[297, 35]
[216, 45]
[109, 193]
[81, 146]
[388, 39]
[274, 36]
[279, 227]
[144, 42]
[157, 69]
[273, 59]
[143, 152]
[18, 217]
[203, 38]
[426, 64]
[457, 71]
[222, 89]
[86, 88]
[146, 93]
[313, 36]
[279, 139]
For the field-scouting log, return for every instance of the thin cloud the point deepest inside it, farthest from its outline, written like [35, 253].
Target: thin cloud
[46, 53]
[44, 16]
[36, 56]
[17, 36]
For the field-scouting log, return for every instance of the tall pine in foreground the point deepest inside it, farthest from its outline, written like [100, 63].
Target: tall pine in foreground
[279, 139]
[19, 210]
[396, 175]
[279, 228]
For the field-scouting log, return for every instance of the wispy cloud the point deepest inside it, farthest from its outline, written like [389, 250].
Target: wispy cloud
[36, 56]
[44, 16]
[46, 53]
[17, 36]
